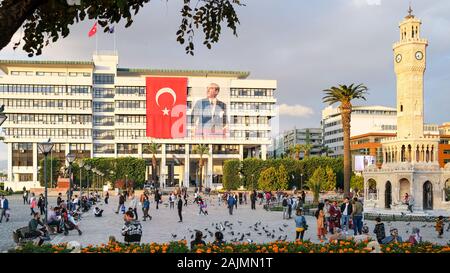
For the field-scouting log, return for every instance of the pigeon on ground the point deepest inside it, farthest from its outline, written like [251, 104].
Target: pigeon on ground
[174, 236]
[273, 236]
[408, 224]
[407, 231]
[250, 240]
[285, 225]
[248, 234]
[259, 233]
[204, 237]
[424, 225]
[242, 238]
[280, 229]
[192, 236]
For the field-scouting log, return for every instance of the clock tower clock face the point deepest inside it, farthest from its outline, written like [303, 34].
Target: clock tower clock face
[398, 58]
[419, 55]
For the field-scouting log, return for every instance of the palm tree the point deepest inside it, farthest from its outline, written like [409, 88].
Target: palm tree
[202, 150]
[344, 95]
[326, 150]
[153, 148]
[295, 151]
[306, 148]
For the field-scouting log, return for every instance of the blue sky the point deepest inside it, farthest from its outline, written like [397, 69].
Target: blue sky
[306, 46]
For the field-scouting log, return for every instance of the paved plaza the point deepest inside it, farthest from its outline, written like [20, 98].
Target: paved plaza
[164, 225]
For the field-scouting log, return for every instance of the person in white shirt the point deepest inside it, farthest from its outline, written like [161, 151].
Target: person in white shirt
[133, 205]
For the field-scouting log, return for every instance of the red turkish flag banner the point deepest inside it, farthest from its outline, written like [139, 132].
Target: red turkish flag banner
[93, 30]
[166, 107]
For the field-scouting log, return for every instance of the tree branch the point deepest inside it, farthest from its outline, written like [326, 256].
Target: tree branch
[13, 14]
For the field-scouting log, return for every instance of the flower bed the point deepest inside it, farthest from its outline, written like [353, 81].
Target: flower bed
[274, 247]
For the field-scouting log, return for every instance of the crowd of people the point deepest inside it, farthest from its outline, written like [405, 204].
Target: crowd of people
[335, 221]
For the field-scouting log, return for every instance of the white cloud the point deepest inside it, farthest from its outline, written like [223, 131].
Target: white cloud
[295, 110]
[367, 2]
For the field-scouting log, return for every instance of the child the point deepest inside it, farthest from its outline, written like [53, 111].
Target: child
[440, 226]
[379, 230]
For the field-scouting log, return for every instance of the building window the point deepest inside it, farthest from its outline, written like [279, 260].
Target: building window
[103, 78]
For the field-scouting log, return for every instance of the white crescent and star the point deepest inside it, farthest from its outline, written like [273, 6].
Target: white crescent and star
[163, 91]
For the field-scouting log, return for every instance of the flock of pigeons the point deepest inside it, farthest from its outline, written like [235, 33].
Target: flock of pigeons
[229, 229]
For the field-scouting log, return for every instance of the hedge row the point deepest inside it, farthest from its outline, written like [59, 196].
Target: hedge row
[246, 173]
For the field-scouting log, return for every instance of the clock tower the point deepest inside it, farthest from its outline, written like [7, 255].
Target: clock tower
[410, 160]
[410, 63]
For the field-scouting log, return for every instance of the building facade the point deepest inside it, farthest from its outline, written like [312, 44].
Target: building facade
[370, 144]
[365, 119]
[410, 159]
[97, 109]
[312, 136]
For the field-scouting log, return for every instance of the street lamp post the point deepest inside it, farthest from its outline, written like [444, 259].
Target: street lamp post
[126, 183]
[301, 181]
[45, 148]
[87, 167]
[81, 164]
[70, 159]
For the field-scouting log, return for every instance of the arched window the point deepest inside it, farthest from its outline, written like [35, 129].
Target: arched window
[412, 32]
[447, 190]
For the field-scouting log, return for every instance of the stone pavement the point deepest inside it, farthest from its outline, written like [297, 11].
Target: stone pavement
[164, 226]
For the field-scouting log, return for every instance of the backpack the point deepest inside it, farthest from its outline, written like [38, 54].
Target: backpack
[285, 202]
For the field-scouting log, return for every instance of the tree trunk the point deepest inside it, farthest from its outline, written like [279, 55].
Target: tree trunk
[154, 169]
[12, 15]
[200, 164]
[346, 110]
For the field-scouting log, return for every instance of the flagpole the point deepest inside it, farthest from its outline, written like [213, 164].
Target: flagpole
[96, 43]
[115, 41]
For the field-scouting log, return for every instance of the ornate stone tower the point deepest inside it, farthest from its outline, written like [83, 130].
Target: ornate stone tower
[410, 160]
[410, 145]
[410, 63]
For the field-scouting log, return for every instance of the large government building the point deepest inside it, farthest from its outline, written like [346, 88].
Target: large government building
[97, 109]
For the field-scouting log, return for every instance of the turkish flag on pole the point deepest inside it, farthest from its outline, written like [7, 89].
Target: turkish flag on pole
[166, 107]
[93, 30]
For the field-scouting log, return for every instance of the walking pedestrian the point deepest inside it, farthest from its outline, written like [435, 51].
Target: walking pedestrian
[4, 208]
[357, 214]
[133, 205]
[253, 199]
[346, 211]
[180, 208]
[33, 203]
[106, 197]
[41, 204]
[185, 198]
[300, 225]
[157, 198]
[203, 207]
[284, 204]
[59, 199]
[172, 201]
[231, 202]
[320, 216]
[121, 203]
[146, 208]
[25, 197]
[326, 210]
